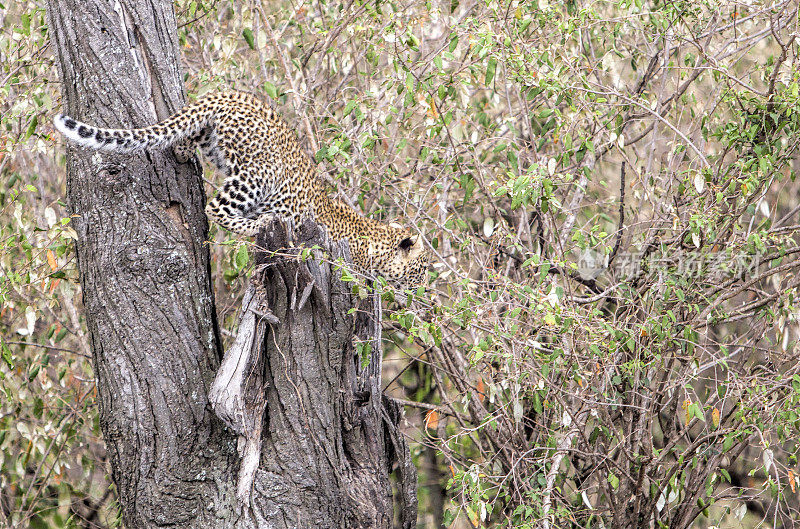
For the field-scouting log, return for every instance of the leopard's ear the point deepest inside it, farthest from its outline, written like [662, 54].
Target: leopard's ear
[395, 225]
[408, 242]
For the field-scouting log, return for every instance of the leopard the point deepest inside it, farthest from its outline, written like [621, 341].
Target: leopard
[266, 175]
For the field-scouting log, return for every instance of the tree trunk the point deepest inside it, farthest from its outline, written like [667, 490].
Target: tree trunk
[144, 268]
[149, 308]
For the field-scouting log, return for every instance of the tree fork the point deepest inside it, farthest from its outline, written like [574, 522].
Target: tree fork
[149, 307]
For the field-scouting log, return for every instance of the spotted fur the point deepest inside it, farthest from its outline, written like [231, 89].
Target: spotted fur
[266, 175]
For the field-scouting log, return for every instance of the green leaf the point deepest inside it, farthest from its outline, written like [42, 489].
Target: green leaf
[490, 69]
[453, 43]
[8, 358]
[364, 351]
[727, 444]
[537, 402]
[270, 89]
[543, 271]
[695, 411]
[32, 127]
[477, 355]
[247, 33]
[38, 407]
[26, 23]
[242, 258]
[61, 334]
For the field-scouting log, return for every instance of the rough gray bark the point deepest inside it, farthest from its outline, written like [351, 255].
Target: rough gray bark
[329, 440]
[149, 308]
[144, 268]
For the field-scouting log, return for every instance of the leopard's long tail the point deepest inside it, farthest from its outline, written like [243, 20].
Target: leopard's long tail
[186, 123]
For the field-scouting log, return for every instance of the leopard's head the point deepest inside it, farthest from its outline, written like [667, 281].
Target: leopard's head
[403, 259]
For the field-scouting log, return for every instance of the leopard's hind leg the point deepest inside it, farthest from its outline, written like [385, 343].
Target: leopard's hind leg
[243, 204]
[232, 207]
[206, 139]
[240, 208]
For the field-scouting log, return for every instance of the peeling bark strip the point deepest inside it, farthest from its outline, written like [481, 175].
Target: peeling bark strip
[330, 439]
[237, 394]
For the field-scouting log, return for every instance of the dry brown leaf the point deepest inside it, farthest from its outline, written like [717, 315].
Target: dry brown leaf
[51, 260]
[432, 419]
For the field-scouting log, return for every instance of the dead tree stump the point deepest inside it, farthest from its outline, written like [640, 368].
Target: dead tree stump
[317, 439]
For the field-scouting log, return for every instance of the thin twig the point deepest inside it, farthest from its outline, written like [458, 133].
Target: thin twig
[432, 407]
[621, 215]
